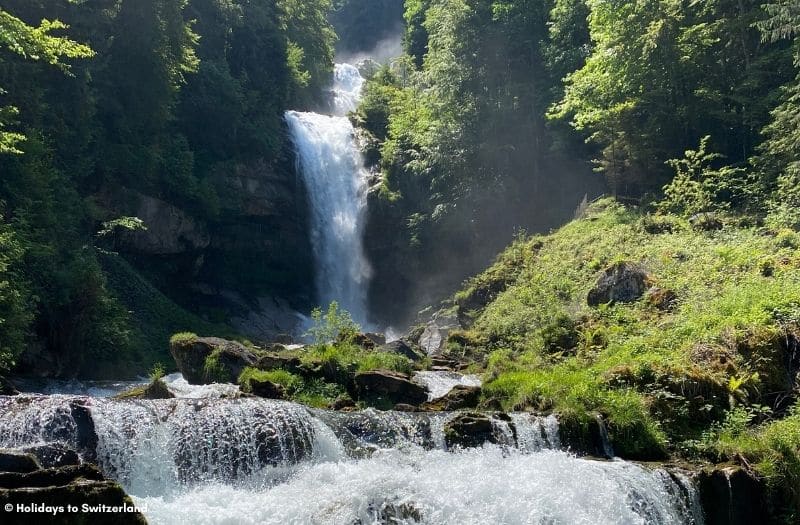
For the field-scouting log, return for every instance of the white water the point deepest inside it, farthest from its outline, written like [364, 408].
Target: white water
[330, 163]
[242, 461]
[440, 383]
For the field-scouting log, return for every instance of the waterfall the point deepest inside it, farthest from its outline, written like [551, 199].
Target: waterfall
[329, 160]
[253, 460]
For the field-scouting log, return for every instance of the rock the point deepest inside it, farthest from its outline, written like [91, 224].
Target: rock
[54, 455]
[265, 319]
[470, 429]
[169, 230]
[403, 407]
[731, 496]
[661, 298]
[403, 348]
[378, 339]
[206, 360]
[367, 68]
[460, 396]
[707, 221]
[7, 388]
[154, 390]
[274, 361]
[85, 434]
[362, 340]
[71, 485]
[623, 282]
[585, 438]
[390, 513]
[343, 403]
[265, 389]
[16, 461]
[390, 386]
[434, 336]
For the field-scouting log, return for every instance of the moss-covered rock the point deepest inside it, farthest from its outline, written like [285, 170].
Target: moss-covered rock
[205, 360]
[156, 389]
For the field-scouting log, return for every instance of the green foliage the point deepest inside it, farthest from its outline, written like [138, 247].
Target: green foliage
[183, 338]
[289, 381]
[332, 325]
[346, 358]
[213, 370]
[157, 372]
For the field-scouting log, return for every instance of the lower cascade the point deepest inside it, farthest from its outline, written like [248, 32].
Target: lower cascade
[248, 460]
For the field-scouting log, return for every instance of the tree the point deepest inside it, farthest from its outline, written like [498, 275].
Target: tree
[33, 43]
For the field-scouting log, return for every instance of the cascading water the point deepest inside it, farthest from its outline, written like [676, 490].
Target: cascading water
[243, 461]
[330, 163]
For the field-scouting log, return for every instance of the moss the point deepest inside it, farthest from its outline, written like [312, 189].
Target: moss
[291, 382]
[213, 369]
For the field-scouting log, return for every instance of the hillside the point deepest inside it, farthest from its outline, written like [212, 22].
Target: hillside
[703, 366]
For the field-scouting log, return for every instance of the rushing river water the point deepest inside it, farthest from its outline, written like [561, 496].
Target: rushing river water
[239, 461]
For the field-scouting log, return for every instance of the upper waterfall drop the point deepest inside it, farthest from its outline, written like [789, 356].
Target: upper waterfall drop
[330, 163]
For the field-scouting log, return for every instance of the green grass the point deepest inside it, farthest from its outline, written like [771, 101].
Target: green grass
[350, 358]
[660, 376]
[310, 391]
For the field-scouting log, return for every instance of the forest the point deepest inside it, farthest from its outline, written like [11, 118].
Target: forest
[586, 210]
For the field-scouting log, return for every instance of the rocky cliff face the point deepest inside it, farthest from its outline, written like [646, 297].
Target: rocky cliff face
[250, 266]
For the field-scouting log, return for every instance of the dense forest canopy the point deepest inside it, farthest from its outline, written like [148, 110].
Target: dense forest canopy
[494, 105]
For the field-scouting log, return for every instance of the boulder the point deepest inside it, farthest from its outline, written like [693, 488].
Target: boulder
[275, 361]
[206, 360]
[434, 337]
[17, 461]
[265, 389]
[470, 429]
[154, 390]
[71, 485]
[54, 455]
[401, 347]
[730, 495]
[393, 387]
[459, 397]
[623, 282]
[85, 433]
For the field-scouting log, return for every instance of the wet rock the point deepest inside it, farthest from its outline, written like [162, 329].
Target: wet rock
[459, 397]
[390, 513]
[731, 496]
[85, 434]
[434, 336]
[154, 390]
[344, 403]
[403, 407]
[392, 387]
[623, 282]
[470, 429]
[265, 389]
[54, 455]
[16, 461]
[585, 437]
[72, 485]
[403, 348]
[206, 360]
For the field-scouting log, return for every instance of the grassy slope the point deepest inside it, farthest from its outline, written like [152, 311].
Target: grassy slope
[154, 319]
[690, 378]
